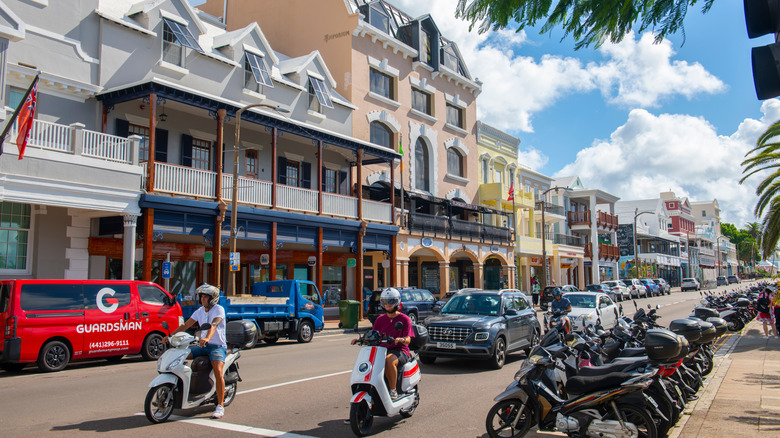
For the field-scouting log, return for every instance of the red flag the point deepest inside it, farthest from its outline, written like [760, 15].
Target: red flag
[511, 192]
[25, 120]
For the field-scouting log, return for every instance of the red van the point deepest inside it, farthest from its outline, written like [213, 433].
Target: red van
[52, 322]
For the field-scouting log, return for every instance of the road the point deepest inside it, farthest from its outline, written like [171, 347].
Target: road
[288, 389]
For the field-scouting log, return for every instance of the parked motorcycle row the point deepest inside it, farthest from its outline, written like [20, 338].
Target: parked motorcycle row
[632, 381]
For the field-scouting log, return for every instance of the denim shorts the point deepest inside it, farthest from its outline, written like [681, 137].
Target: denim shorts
[214, 352]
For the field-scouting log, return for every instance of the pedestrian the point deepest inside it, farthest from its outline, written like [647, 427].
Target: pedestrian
[765, 311]
[535, 290]
[776, 311]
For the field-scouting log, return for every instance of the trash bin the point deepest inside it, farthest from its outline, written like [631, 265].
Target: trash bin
[348, 313]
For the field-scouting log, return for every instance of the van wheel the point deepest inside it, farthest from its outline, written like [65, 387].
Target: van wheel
[153, 346]
[54, 356]
[305, 332]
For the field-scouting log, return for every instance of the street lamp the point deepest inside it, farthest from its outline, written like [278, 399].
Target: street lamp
[544, 237]
[637, 213]
[234, 199]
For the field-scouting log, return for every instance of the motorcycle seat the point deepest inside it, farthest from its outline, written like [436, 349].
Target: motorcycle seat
[201, 364]
[585, 384]
[633, 352]
[615, 367]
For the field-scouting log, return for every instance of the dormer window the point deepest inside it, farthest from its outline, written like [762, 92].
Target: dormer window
[378, 18]
[176, 37]
[426, 51]
[256, 72]
[318, 95]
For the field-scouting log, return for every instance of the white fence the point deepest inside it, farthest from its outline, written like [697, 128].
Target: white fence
[46, 135]
[377, 211]
[295, 198]
[106, 146]
[339, 205]
[93, 144]
[182, 180]
[250, 191]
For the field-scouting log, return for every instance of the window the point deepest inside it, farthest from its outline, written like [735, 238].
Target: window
[108, 294]
[251, 164]
[201, 154]
[454, 115]
[309, 292]
[15, 97]
[256, 72]
[382, 84]
[152, 295]
[330, 176]
[454, 162]
[380, 134]
[497, 175]
[704, 213]
[421, 101]
[379, 19]
[37, 297]
[421, 160]
[318, 95]
[143, 132]
[176, 37]
[426, 52]
[485, 171]
[15, 227]
[293, 173]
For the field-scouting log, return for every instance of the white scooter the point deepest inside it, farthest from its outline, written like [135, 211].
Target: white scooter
[183, 386]
[370, 394]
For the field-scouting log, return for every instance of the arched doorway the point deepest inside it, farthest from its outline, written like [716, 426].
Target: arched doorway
[461, 271]
[424, 270]
[492, 274]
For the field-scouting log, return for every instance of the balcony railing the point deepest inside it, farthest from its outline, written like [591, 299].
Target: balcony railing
[466, 229]
[607, 221]
[296, 198]
[250, 190]
[428, 224]
[565, 239]
[495, 234]
[74, 139]
[339, 205]
[606, 251]
[181, 180]
[550, 208]
[579, 218]
[377, 211]
[456, 228]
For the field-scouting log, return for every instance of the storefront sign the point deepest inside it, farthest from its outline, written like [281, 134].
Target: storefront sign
[427, 242]
[265, 259]
[312, 260]
[385, 264]
[494, 248]
[351, 263]
[208, 256]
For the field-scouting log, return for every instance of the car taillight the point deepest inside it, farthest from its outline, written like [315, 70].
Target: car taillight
[10, 327]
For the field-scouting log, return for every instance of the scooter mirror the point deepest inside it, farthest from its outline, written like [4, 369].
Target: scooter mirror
[621, 309]
[635, 306]
[399, 325]
[657, 306]
[165, 325]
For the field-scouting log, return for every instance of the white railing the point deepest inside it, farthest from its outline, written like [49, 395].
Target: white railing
[106, 146]
[46, 135]
[339, 205]
[250, 191]
[294, 198]
[182, 180]
[376, 211]
[143, 175]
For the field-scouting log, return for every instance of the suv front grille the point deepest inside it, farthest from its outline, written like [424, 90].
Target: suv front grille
[448, 334]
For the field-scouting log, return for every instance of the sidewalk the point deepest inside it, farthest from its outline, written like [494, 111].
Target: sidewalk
[742, 394]
[332, 327]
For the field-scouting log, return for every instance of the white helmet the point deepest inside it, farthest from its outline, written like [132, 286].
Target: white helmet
[390, 296]
[211, 291]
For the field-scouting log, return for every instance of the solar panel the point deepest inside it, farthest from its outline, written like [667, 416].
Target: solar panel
[182, 35]
[321, 92]
[259, 69]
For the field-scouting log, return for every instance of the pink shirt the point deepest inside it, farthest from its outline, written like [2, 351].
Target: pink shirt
[386, 326]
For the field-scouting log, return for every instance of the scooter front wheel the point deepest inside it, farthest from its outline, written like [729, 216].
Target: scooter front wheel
[361, 418]
[230, 393]
[159, 403]
[509, 419]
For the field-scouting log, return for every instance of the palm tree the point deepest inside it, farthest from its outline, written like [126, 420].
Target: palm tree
[766, 157]
[754, 230]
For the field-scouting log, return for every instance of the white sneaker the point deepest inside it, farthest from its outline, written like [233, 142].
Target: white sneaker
[218, 413]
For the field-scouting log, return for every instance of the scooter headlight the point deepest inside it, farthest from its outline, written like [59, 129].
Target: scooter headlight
[176, 362]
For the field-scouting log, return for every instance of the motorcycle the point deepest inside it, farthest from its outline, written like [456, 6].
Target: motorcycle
[556, 319]
[370, 392]
[183, 386]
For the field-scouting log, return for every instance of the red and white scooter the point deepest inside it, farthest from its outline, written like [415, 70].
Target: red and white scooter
[370, 394]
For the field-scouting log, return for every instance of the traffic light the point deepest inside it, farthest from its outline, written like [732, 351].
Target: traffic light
[762, 17]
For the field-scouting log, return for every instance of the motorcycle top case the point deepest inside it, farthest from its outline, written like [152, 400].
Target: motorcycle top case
[720, 325]
[684, 349]
[662, 345]
[743, 302]
[708, 332]
[705, 312]
[686, 327]
[240, 332]
[420, 337]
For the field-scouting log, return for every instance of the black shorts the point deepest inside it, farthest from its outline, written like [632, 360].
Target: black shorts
[403, 358]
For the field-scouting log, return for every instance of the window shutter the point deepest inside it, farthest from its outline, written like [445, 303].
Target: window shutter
[186, 150]
[161, 145]
[342, 187]
[122, 128]
[322, 181]
[306, 179]
[281, 170]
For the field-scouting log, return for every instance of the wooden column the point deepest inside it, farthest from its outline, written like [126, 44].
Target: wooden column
[149, 215]
[273, 176]
[216, 263]
[272, 262]
[319, 176]
[360, 234]
[319, 264]
[393, 259]
[392, 193]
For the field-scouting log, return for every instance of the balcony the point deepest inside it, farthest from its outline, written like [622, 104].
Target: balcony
[606, 251]
[496, 193]
[565, 239]
[606, 221]
[460, 229]
[579, 218]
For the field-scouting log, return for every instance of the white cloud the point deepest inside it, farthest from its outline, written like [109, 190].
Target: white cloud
[653, 153]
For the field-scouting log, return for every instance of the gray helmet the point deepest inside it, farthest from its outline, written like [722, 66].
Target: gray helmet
[211, 291]
[390, 296]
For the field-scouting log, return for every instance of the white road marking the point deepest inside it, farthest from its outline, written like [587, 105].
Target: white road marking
[238, 427]
[293, 382]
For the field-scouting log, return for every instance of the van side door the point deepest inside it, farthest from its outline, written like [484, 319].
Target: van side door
[111, 321]
[50, 310]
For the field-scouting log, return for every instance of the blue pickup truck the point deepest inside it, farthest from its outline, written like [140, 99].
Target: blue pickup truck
[285, 308]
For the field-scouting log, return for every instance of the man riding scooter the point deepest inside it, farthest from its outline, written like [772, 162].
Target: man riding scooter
[563, 305]
[398, 351]
[212, 343]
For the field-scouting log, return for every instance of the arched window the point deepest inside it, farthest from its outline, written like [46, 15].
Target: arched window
[422, 180]
[381, 135]
[454, 162]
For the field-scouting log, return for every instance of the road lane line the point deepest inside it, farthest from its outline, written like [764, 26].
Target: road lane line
[238, 427]
[293, 382]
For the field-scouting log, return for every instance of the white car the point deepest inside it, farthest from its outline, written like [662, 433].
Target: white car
[569, 288]
[636, 288]
[619, 288]
[592, 308]
[690, 284]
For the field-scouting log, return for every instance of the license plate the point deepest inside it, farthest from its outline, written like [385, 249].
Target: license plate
[446, 345]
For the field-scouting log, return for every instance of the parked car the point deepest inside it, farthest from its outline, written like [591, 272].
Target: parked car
[569, 288]
[734, 279]
[605, 289]
[636, 287]
[547, 295]
[722, 281]
[416, 303]
[620, 289]
[664, 285]
[588, 308]
[482, 325]
[652, 288]
[690, 284]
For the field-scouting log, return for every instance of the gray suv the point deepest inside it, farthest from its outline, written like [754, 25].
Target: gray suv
[482, 325]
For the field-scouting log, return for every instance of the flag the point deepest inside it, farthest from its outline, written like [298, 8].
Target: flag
[401, 151]
[25, 120]
[511, 192]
